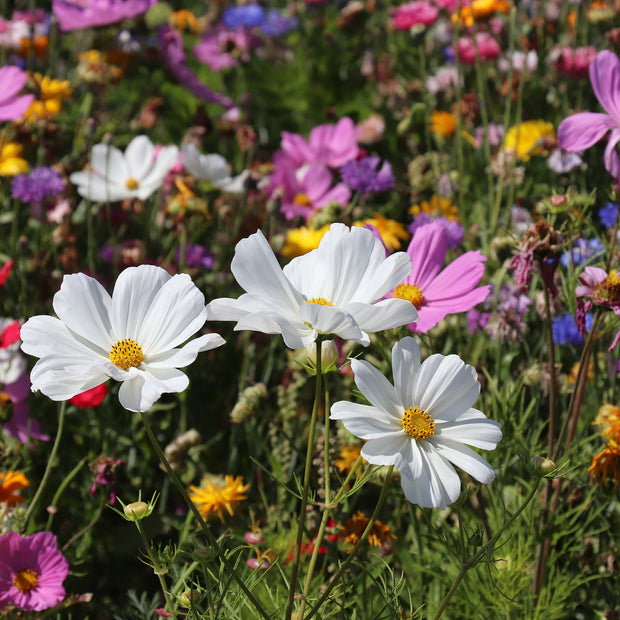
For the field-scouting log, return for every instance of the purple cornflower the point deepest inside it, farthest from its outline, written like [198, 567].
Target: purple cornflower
[276, 24]
[608, 214]
[42, 182]
[245, 16]
[582, 251]
[196, 256]
[565, 329]
[453, 228]
[362, 175]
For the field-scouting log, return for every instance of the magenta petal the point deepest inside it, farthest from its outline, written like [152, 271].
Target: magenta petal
[460, 277]
[605, 78]
[339, 194]
[612, 164]
[12, 80]
[580, 131]
[296, 147]
[316, 181]
[428, 317]
[427, 250]
[15, 109]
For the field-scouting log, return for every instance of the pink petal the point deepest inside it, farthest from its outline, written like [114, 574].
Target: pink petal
[296, 147]
[339, 194]
[605, 78]
[612, 164]
[459, 278]
[12, 80]
[427, 250]
[316, 181]
[580, 131]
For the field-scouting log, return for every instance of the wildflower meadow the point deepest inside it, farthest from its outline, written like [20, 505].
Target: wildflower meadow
[309, 309]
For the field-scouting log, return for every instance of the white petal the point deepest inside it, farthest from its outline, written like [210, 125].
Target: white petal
[94, 187]
[365, 421]
[179, 358]
[164, 161]
[138, 157]
[140, 392]
[50, 376]
[330, 320]
[384, 314]
[399, 450]
[376, 388]
[108, 162]
[405, 367]
[295, 335]
[465, 458]
[83, 305]
[234, 185]
[477, 432]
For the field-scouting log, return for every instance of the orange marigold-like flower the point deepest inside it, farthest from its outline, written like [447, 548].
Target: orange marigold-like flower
[347, 457]
[609, 417]
[437, 206]
[379, 536]
[605, 464]
[443, 123]
[11, 483]
[217, 494]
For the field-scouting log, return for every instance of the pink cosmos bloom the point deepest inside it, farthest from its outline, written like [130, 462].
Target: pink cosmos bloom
[572, 62]
[435, 294]
[32, 571]
[581, 131]
[215, 49]
[78, 14]
[306, 190]
[331, 145]
[12, 80]
[488, 48]
[416, 13]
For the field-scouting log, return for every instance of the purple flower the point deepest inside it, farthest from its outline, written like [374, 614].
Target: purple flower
[72, 15]
[581, 131]
[565, 329]
[104, 469]
[244, 16]
[582, 251]
[32, 571]
[196, 256]
[608, 215]
[453, 228]
[276, 24]
[12, 80]
[362, 175]
[42, 182]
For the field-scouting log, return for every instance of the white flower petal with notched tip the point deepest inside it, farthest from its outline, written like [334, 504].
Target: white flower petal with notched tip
[212, 168]
[156, 311]
[335, 289]
[442, 390]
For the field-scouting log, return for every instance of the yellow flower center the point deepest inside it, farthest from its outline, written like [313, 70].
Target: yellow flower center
[319, 300]
[126, 353]
[410, 292]
[5, 399]
[25, 580]
[417, 423]
[302, 200]
[131, 183]
[609, 288]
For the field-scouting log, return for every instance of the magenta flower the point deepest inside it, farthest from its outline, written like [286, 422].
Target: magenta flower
[20, 426]
[416, 13]
[572, 62]
[72, 15]
[581, 131]
[12, 80]
[435, 294]
[306, 190]
[224, 48]
[488, 48]
[331, 145]
[32, 571]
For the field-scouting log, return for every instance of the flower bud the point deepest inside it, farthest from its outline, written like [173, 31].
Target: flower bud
[136, 511]
[542, 465]
[187, 597]
[329, 357]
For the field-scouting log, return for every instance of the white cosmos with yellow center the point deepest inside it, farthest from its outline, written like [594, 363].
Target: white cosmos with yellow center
[423, 424]
[336, 289]
[136, 336]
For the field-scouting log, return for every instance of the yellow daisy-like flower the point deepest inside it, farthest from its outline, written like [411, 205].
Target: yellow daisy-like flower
[391, 232]
[347, 457]
[437, 206]
[11, 483]
[48, 103]
[11, 162]
[605, 464]
[380, 533]
[526, 138]
[217, 494]
[300, 241]
[443, 123]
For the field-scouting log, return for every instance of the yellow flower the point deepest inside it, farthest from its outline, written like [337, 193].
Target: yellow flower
[606, 463]
[609, 416]
[380, 534]
[50, 96]
[391, 232]
[347, 457]
[217, 494]
[302, 240]
[11, 162]
[526, 139]
[480, 9]
[180, 20]
[11, 482]
[443, 123]
[438, 206]
[96, 67]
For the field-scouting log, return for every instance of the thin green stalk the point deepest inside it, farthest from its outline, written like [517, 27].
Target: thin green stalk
[336, 577]
[306, 487]
[85, 529]
[210, 537]
[61, 489]
[50, 465]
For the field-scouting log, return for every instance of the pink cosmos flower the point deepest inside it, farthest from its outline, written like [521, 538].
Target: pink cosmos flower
[32, 571]
[581, 131]
[215, 48]
[331, 145]
[435, 294]
[78, 14]
[488, 48]
[416, 13]
[306, 190]
[12, 80]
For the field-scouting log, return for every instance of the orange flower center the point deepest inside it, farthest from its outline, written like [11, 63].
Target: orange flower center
[319, 300]
[417, 423]
[302, 200]
[609, 288]
[126, 353]
[131, 183]
[25, 580]
[410, 292]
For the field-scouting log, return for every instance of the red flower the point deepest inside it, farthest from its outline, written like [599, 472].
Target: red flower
[5, 271]
[10, 334]
[91, 398]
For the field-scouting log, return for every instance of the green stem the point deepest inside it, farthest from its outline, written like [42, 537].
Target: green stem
[50, 465]
[210, 537]
[61, 489]
[306, 487]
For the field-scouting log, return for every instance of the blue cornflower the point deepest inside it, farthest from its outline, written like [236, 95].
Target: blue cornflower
[565, 330]
[362, 175]
[582, 251]
[276, 24]
[608, 214]
[41, 183]
[246, 16]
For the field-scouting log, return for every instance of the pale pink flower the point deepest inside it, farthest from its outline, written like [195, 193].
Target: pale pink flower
[12, 107]
[216, 47]
[416, 13]
[435, 294]
[488, 48]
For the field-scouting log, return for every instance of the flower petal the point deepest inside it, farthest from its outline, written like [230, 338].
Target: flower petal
[179, 358]
[365, 421]
[472, 428]
[397, 449]
[376, 388]
[427, 251]
[109, 162]
[405, 367]
[331, 320]
[140, 391]
[605, 77]
[139, 155]
[384, 314]
[580, 131]
[465, 458]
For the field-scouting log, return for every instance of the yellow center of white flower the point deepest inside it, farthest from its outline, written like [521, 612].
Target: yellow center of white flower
[319, 300]
[417, 423]
[131, 183]
[126, 353]
[410, 292]
[25, 580]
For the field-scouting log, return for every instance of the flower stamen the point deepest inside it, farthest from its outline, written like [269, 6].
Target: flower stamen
[410, 292]
[319, 300]
[131, 183]
[417, 423]
[26, 580]
[126, 353]
[609, 288]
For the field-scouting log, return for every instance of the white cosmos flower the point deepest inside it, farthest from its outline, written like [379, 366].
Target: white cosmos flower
[133, 337]
[114, 175]
[423, 423]
[331, 290]
[212, 168]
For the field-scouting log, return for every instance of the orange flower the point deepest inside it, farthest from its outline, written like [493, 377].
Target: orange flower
[437, 206]
[380, 534]
[217, 494]
[180, 20]
[443, 123]
[605, 464]
[11, 482]
[609, 416]
[347, 457]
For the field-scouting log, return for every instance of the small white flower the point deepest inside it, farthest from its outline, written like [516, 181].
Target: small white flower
[133, 337]
[212, 168]
[423, 423]
[114, 175]
[331, 290]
